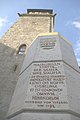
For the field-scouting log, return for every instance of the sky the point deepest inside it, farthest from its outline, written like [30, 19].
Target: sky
[67, 21]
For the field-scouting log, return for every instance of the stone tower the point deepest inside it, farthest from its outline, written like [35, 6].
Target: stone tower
[13, 46]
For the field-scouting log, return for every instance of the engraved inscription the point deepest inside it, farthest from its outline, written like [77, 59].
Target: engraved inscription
[47, 86]
[47, 43]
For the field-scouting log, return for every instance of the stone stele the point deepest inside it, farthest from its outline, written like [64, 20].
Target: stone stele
[49, 82]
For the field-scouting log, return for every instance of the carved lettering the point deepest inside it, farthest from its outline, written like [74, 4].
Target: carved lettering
[47, 85]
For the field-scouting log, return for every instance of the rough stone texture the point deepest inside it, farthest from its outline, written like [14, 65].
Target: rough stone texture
[22, 32]
[49, 82]
[25, 30]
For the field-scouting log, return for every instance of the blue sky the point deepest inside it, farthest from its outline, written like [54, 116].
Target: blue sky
[67, 21]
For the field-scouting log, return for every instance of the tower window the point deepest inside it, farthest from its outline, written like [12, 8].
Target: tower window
[22, 49]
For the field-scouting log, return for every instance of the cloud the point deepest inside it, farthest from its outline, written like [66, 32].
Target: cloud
[77, 51]
[3, 21]
[76, 24]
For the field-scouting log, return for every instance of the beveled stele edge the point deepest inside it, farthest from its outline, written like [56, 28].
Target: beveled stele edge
[61, 111]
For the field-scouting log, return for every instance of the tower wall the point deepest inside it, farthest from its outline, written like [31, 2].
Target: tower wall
[27, 27]
[23, 31]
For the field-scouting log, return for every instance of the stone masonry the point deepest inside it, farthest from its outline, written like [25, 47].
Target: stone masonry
[27, 27]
